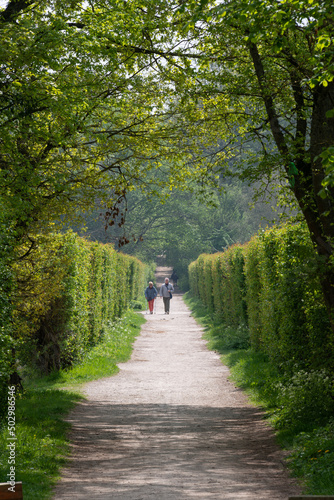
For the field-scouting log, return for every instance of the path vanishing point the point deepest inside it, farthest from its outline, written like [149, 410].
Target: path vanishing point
[171, 426]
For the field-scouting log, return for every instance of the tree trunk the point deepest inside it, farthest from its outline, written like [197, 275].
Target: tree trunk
[318, 210]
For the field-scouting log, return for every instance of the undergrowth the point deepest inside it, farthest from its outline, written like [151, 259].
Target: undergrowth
[42, 447]
[299, 402]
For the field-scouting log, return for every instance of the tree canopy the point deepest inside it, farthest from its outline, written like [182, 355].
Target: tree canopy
[95, 94]
[81, 116]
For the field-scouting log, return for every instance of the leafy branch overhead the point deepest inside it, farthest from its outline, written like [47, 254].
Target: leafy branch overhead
[79, 119]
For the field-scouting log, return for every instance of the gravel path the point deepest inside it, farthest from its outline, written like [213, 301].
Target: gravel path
[170, 426]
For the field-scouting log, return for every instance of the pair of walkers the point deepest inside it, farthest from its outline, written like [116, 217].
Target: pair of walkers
[165, 292]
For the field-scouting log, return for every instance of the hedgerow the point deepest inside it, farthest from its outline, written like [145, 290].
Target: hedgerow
[68, 290]
[219, 281]
[271, 286]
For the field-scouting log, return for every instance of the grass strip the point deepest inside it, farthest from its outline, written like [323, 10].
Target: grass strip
[42, 446]
[311, 456]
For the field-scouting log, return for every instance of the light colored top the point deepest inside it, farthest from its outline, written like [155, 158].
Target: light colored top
[164, 290]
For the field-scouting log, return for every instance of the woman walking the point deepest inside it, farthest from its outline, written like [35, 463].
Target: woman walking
[150, 294]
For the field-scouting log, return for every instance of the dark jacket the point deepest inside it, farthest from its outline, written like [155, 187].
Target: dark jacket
[150, 293]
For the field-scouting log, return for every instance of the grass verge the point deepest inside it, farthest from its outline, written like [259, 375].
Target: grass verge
[294, 405]
[41, 445]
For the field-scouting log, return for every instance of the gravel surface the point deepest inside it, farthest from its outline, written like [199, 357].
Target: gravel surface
[170, 426]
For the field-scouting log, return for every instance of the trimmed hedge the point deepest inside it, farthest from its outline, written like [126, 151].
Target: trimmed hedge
[218, 280]
[75, 288]
[271, 285]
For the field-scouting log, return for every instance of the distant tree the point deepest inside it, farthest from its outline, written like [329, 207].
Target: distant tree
[179, 225]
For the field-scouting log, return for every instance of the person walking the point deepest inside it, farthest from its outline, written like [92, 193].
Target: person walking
[150, 294]
[166, 293]
[174, 277]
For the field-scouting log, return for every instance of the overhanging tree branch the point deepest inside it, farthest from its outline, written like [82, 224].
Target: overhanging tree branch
[14, 8]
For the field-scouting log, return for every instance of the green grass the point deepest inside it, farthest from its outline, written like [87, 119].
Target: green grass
[101, 360]
[198, 311]
[220, 337]
[311, 444]
[42, 447]
[312, 459]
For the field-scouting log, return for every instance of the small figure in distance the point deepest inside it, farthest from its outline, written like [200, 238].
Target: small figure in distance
[166, 293]
[174, 277]
[150, 294]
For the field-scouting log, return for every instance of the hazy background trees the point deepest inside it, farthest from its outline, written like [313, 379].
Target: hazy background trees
[179, 225]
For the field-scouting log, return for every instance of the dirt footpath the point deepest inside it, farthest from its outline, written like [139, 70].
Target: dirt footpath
[170, 426]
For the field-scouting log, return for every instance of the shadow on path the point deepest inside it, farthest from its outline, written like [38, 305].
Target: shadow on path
[171, 426]
[172, 451]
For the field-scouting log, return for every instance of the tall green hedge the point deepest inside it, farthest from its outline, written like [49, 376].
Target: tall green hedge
[218, 281]
[294, 321]
[270, 284]
[73, 289]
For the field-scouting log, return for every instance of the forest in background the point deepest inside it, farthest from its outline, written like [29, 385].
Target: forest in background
[180, 225]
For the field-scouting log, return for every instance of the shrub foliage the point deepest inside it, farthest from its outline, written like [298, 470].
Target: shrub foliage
[271, 286]
[68, 290]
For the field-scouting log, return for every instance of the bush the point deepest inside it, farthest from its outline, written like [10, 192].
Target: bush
[313, 459]
[292, 316]
[231, 337]
[218, 280]
[136, 305]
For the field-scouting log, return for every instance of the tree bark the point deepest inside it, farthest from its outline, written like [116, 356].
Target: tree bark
[318, 211]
